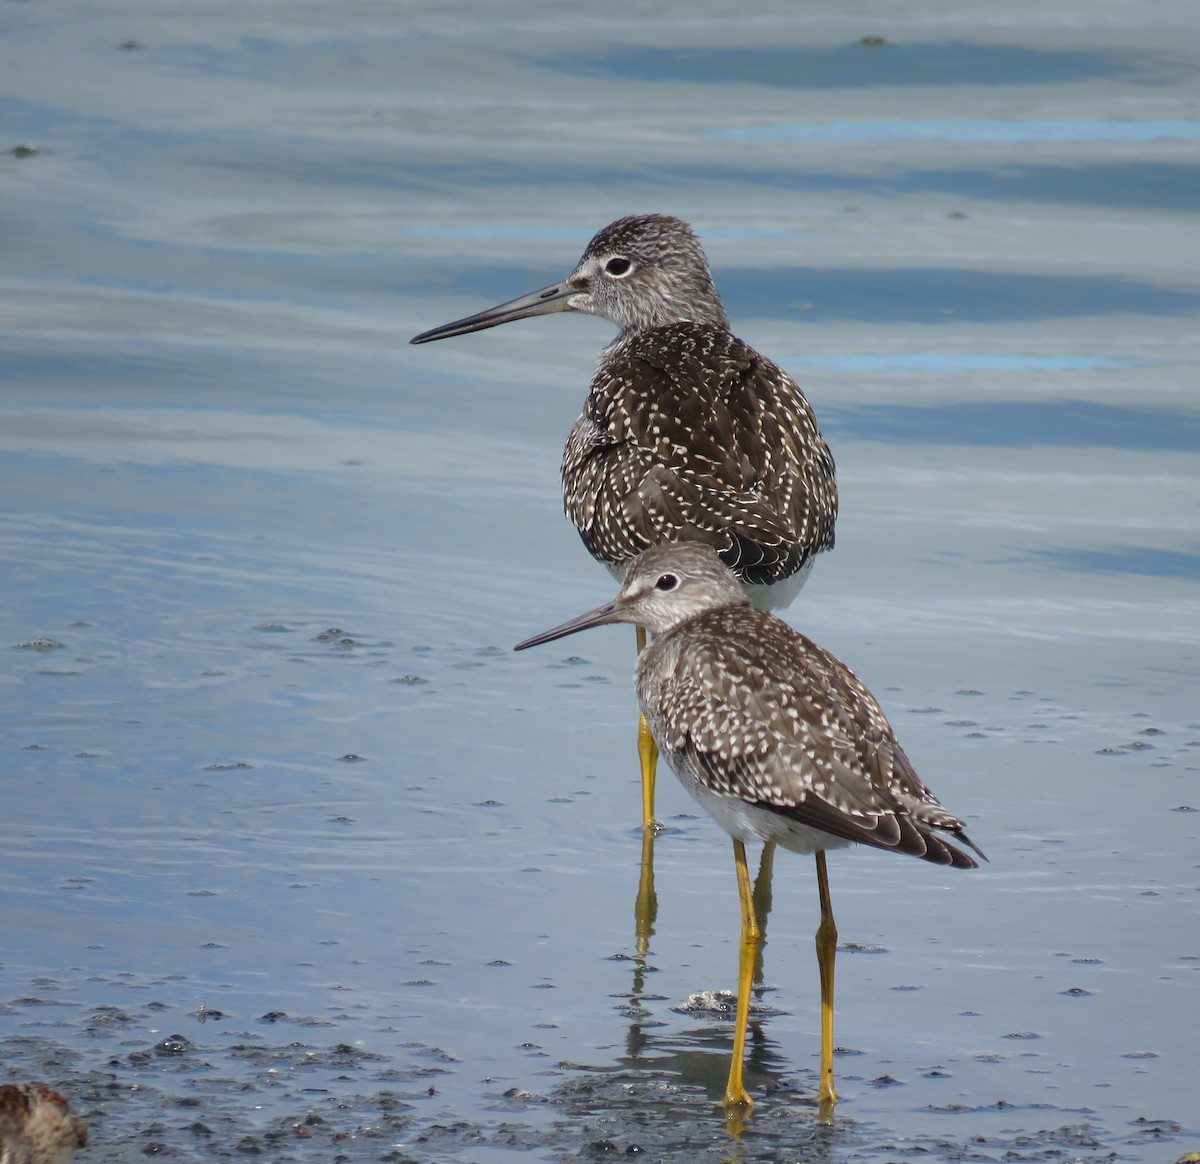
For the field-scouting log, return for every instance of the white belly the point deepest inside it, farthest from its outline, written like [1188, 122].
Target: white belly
[747, 822]
[780, 594]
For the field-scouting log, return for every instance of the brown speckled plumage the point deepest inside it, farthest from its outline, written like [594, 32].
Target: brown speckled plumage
[772, 733]
[779, 742]
[740, 702]
[687, 433]
[37, 1126]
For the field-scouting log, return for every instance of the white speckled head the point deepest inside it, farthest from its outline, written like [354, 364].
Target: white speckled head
[645, 271]
[671, 584]
[663, 588]
[639, 272]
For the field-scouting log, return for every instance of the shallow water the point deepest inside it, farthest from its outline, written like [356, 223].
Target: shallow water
[275, 783]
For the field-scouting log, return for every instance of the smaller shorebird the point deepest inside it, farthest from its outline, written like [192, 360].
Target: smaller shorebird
[687, 433]
[37, 1126]
[778, 740]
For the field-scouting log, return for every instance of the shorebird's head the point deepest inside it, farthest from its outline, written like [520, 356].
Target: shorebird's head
[640, 272]
[664, 587]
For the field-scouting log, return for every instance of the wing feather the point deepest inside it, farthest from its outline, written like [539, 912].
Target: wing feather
[777, 721]
[689, 434]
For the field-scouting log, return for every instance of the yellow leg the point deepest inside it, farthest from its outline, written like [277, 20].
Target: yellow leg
[645, 909]
[737, 1100]
[762, 905]
[647, 752]
[826, 953]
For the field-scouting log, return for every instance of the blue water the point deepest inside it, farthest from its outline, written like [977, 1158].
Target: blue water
[1078, 423]
[858, 64]
[275, 782]
[977, 131]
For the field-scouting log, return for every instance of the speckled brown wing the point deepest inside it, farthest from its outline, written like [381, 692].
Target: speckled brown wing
[689, 434]
[757, 711]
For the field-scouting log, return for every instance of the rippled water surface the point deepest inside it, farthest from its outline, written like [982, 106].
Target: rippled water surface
[299, 859]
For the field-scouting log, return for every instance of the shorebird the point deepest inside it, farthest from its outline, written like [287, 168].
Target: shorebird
[778, 740]
[687, 432]
[37, 1126]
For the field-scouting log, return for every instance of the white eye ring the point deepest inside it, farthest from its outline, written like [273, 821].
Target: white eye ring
[618, 266]
[666, 582]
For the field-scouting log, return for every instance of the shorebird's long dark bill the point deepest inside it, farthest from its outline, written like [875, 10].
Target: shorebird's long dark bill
[602, 615]
[556, 297]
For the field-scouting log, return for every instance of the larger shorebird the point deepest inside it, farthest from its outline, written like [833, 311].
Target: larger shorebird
[687, 433]
[778, 740]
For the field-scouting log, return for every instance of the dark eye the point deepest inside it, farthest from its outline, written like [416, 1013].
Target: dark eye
[618, 266]
[666, 582]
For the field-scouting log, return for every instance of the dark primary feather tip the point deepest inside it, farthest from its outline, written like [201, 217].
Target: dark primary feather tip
[966, 840]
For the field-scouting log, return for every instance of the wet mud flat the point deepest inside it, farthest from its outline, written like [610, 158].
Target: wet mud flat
[285, 1088]
[346, 984]
[263, 563]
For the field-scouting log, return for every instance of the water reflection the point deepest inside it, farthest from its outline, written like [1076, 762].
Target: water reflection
[1138, 184]
[1147, 185]
[645, 908]
[968, 129]
[931, 295]
[697, 1056]
[862, 65]
[961, 362]
[1021, 423]
[1146, 561]
[702, 1069]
